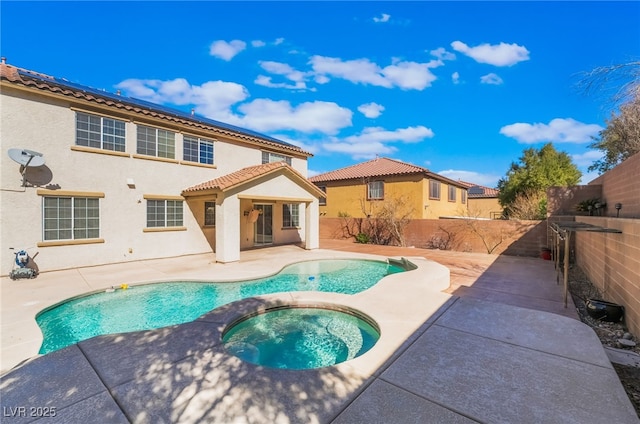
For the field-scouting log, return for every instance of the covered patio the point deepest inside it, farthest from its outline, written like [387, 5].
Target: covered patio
[268, 204]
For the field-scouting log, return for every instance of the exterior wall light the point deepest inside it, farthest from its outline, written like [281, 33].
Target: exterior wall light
[618, 206]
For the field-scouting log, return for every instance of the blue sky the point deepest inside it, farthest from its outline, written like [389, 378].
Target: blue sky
[461, 88]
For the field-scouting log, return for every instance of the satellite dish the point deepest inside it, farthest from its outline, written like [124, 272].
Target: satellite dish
[26, 158]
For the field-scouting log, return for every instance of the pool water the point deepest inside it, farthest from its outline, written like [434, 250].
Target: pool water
[149, 306]
[300, 338]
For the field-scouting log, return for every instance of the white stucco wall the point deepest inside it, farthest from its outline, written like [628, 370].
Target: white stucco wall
[48, 126]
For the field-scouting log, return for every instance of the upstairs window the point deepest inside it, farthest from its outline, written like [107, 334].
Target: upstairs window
[197, 150]
[375, 190]
[156, 142]
[268, 157]
[463, 196]
[99, 132]
[290, 215]
[452, 193]
[434, 189]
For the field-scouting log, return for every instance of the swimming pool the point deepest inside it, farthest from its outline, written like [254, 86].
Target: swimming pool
[148, 306]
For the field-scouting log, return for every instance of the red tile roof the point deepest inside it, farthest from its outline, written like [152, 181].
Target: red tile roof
[378, 167]
[250, 173]
[31, 79]
[478, 191]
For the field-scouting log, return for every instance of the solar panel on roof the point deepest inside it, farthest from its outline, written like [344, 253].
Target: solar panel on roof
[154, 106]
[475, 190]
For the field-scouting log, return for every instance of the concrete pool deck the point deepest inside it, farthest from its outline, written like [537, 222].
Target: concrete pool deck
[492, 347]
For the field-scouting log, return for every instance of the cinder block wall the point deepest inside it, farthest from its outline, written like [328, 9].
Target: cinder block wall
[517, 238]
[620, 185]
[612, 263]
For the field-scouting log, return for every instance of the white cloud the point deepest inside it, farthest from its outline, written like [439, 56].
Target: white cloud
[559, 130]
[217, 99]
[491, 79]
[209, 99]
[371, 110]
[442, 54]
[270, 115]
[405, 75]
[383, 18]
[267, 82]
[321, 79]
[586, 159]
[409, 75]
[455, 78]
[487, 180]
[360, 151]
[498, 54]
[403, 135]
[226, 51]
[258, 43]
[375, 141]
[278, 41]
[278, 68]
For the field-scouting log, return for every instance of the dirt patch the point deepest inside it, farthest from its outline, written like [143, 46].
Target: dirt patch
[609, 333]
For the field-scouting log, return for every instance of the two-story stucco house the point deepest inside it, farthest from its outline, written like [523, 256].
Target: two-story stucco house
[360, 189]
[119, 179]
[483, 201]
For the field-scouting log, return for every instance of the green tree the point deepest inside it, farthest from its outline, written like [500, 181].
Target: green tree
[536, 171]
[620, 83]
[621, 137]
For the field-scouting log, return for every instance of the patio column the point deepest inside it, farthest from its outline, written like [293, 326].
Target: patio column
[312, 225]
[228, 229]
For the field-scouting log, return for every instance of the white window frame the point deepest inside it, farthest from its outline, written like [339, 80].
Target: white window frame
[463, 196]
[202, 146]
[291, 215]
[76, 217]
[158, 142]
[375, 190]
[269, 157]
[108, 133]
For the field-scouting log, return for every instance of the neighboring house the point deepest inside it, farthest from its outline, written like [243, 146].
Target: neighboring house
[360, 190]
[124, 179]
[482, 201]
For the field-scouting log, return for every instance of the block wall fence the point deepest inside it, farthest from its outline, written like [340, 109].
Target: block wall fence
[517, 238]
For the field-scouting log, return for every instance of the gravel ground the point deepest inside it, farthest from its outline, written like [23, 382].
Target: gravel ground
[608, 332]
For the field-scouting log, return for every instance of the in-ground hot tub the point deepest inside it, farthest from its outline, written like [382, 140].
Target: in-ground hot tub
[301, 336]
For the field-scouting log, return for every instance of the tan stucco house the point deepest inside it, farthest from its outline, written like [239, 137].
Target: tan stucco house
[483, 201]
[118, 179]
[361, 189]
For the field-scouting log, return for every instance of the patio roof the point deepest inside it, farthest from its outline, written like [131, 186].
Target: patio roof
[248, 174]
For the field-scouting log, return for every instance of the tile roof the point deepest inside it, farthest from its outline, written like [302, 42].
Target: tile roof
[378, 167]
[27, 78]
[478, 191]
[248, 174]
